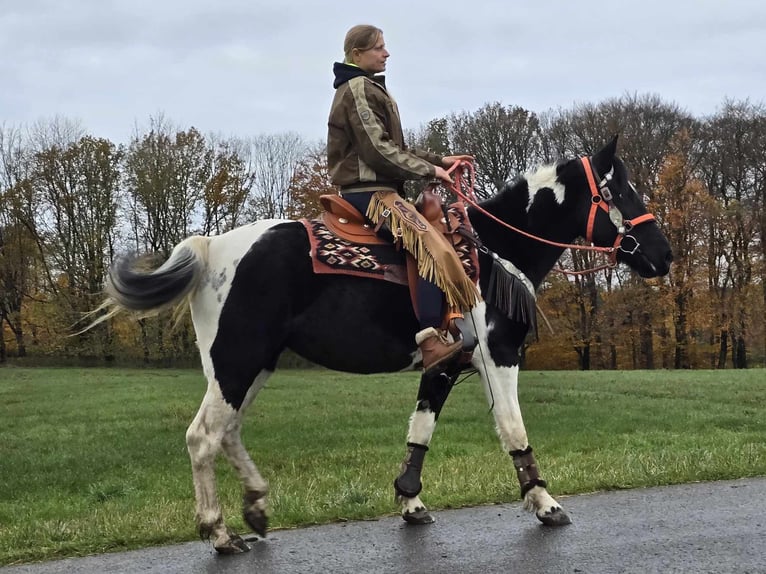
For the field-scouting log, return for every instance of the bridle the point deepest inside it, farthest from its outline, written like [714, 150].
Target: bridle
[601, 199]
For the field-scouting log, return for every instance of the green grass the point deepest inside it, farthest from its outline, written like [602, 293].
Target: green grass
[93, 460]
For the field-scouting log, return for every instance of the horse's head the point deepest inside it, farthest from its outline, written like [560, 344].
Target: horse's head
[613, 214]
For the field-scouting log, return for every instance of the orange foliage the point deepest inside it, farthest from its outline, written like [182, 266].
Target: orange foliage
[311, 180]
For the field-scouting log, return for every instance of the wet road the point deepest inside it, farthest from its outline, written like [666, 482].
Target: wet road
[701, 528]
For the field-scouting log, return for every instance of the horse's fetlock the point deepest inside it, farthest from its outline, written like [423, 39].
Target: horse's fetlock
[208, 527]
[255, 498]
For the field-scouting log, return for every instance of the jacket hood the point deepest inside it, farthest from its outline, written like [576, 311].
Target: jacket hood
[344, 72]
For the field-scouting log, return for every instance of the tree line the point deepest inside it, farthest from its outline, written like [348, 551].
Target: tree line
[71, 202]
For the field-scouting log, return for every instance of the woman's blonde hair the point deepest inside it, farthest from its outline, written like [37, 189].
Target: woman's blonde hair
[361, 37]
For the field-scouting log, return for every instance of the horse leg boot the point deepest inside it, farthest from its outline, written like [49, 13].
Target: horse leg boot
[432, 394]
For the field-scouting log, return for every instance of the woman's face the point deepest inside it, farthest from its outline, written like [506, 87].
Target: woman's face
[372, 61]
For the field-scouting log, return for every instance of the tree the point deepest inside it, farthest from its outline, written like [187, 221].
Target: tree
[276, 159]
[17, 249]
[167, 174]
[78, 186]
[733, 174]
[311, 179]
[504, 141]
[646, 126]
[228, 187]
[685, 207]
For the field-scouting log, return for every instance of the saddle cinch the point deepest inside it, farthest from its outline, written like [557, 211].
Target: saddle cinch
[343, 241]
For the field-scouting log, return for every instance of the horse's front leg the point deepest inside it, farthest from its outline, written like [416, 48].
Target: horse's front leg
[432, 394]
[501, 387]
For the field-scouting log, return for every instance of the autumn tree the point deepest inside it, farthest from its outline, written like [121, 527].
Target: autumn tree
[18, 251]
[646, 126]
[732, 170]
[229, 184]
[311, 180]
[167, 172]
[684, 205]
[78, 185]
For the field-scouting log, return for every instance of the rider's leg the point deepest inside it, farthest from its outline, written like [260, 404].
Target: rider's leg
[437, 351]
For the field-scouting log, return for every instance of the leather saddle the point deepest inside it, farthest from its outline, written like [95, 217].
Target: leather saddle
[345, 221]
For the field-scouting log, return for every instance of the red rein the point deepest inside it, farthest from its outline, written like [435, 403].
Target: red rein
[600, 199]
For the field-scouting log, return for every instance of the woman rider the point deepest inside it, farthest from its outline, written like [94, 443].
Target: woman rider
[369, 161]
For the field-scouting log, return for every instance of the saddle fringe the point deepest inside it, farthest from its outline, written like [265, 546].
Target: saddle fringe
[436, 259]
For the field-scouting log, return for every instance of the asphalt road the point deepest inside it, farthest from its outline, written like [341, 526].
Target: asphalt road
[700, 528]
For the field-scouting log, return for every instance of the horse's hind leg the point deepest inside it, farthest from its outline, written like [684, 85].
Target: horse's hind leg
[432, 394]
[254, 505]
[215, 427]
[204, 439]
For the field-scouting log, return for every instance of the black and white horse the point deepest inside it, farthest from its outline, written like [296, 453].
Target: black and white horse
[253, 294]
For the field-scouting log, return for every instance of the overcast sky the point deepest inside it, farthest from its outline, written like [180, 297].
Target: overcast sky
[250, 67]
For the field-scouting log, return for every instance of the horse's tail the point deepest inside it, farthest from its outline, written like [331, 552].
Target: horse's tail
[146, 293]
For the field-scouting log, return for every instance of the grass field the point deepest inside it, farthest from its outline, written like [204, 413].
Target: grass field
[94, 460]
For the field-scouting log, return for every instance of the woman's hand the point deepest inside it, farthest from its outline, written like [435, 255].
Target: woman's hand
[450, 160]
[441, 173]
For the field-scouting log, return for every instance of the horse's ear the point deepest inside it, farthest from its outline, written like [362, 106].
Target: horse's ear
[604, 158]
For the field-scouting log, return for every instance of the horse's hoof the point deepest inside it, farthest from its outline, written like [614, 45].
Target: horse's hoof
[555, 517]
[258, 521]
[234, 545]
[421, 516]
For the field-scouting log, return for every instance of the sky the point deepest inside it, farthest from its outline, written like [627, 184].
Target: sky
[242, 68]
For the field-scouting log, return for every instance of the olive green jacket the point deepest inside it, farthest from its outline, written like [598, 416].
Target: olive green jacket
[365, 142]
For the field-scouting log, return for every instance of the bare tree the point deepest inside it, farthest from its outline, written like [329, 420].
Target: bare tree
[504, 140]
[732, 169]
[275, 159]
[166, 173]
[18, 249]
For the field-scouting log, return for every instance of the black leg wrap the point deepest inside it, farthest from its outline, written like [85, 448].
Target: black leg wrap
[526, 470]
[408, 483]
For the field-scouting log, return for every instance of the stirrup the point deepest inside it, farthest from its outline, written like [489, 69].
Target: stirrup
[462, 330]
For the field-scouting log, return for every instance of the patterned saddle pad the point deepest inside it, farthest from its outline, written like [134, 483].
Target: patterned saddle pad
[331, 253]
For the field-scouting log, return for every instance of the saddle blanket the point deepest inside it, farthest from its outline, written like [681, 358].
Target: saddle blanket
[336, 255]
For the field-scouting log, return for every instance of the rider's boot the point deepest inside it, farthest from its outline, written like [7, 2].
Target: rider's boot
[437, 351]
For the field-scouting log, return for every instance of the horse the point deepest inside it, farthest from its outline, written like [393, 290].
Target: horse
[252, 294]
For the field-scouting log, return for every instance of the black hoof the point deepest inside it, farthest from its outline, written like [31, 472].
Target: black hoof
[555, 517]
[235, 545]
[421, 516]
[258, 521]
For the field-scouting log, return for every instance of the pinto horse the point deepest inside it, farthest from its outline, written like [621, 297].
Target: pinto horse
[252, 294]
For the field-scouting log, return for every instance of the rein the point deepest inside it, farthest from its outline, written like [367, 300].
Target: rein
[601, 198]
